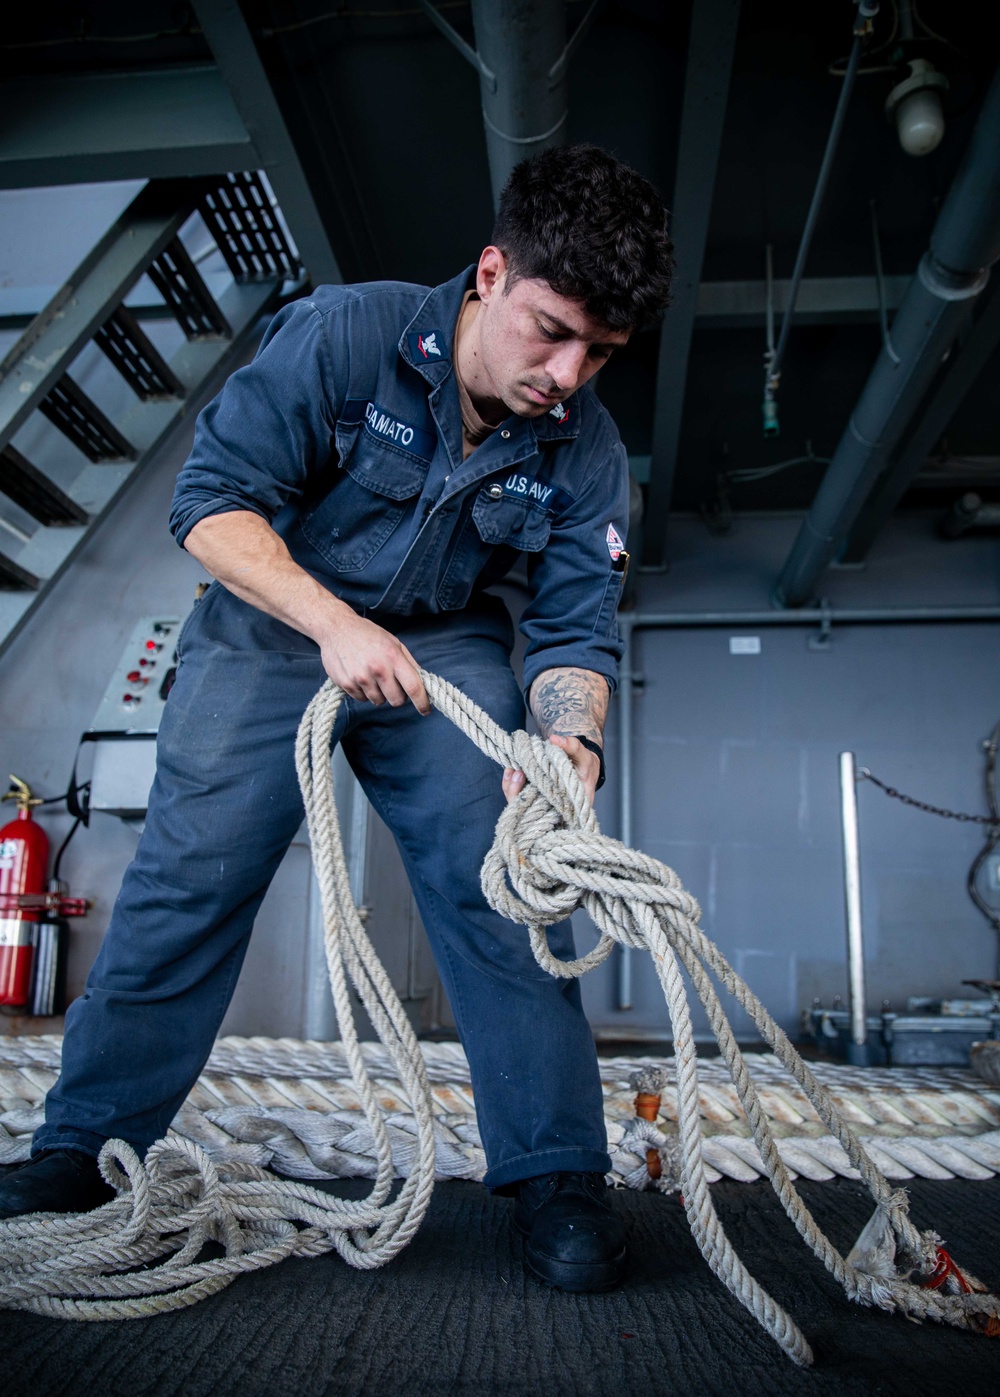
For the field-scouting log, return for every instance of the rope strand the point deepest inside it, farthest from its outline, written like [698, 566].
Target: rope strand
[548, 859]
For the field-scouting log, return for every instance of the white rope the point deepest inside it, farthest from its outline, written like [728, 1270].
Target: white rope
[548, 859]
[289, 1105]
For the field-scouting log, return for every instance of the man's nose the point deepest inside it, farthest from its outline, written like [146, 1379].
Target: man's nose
[565, 365]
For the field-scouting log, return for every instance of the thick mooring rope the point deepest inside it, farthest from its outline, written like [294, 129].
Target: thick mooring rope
[548, 859]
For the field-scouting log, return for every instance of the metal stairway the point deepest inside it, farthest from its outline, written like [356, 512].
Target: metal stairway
[50, 519]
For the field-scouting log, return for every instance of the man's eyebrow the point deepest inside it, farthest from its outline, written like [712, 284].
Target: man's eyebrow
[569, 330]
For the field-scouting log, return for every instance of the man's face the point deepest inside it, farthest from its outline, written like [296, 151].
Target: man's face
[536, 347]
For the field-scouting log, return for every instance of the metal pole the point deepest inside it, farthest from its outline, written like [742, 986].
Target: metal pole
[626, 694]
[857, 1050]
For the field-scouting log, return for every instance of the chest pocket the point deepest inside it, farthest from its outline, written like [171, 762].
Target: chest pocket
[376, 486]
[491, 525]
[514, 523]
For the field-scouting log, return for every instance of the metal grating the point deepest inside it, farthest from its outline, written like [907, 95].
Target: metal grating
[179, 283]
[83, 423]
[34, 492]
[137, 360]
[240, 217]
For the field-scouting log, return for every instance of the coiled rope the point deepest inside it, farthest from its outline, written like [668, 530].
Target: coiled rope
[548, 859]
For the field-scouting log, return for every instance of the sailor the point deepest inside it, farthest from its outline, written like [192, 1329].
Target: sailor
[355, 490]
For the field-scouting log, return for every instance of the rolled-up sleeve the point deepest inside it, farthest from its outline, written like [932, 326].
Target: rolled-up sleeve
[257, 443]
[571, 618]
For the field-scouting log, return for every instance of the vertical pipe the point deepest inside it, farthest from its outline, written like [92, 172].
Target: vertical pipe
[524, 89]
[626, 694]
[857, 1048]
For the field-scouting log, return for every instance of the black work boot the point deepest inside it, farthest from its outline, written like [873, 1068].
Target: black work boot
[573, 1238]
[58, 1181]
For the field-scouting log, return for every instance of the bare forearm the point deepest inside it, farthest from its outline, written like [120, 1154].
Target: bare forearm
[570, 702]
[244, 553]
[247, 556]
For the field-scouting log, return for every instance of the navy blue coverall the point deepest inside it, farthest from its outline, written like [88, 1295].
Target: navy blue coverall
[345, 433]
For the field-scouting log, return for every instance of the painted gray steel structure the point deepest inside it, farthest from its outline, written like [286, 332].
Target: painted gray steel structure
[706, 91]
[524, 93]
[969, 363]
[954, 270]
[78, 127]
[823, 617]
[243, 72]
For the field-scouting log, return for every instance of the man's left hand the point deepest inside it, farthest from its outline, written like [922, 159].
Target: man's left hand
[588, 768]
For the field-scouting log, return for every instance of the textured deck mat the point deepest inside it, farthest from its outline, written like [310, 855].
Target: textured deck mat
[456, 1314]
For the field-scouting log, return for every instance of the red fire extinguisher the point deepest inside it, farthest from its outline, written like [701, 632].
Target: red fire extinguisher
[24, 861]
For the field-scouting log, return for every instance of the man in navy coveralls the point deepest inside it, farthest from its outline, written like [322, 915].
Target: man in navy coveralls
[354, 490]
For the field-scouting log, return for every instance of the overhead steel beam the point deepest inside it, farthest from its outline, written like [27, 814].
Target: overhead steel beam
[971, 360]
[240, 65]
[821, 300]
[73, 128]
[953, 272]
[711, 46]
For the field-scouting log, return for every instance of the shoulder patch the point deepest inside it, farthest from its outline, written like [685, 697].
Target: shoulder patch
[427, 345]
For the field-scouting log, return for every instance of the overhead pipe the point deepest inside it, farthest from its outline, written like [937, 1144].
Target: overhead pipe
[631, 621]
[952, 273]
[522, 57]
[963, 371]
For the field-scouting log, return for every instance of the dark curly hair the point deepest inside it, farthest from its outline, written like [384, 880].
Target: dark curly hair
[591, 227]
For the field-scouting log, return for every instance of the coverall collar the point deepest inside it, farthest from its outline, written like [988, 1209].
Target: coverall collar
[427, 346]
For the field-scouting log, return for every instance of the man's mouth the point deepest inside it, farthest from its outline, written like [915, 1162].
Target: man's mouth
[540, 396]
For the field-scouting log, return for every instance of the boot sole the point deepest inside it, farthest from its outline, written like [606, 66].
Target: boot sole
[575, 1275]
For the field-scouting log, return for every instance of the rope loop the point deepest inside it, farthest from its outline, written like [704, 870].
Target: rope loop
[548, 859]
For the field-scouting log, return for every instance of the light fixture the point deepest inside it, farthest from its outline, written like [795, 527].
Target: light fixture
[915, 105]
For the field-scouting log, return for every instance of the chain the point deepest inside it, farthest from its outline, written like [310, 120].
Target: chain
[865, 775]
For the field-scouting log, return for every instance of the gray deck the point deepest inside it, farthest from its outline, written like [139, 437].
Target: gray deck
[456, 1314]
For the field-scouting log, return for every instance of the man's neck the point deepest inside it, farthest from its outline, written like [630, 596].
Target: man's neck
[468, 365]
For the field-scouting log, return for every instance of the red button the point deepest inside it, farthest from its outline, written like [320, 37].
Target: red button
[133, 676]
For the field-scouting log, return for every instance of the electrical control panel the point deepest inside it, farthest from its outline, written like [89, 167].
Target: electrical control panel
[134, 699]
[124, 729]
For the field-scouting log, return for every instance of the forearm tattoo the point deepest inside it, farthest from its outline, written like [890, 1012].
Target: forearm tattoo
[570, 703]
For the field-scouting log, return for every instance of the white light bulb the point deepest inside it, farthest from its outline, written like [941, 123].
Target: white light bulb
[920, 122]
[915, 106]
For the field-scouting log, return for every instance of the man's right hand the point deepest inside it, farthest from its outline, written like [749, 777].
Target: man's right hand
[247, 556]
[368, 662]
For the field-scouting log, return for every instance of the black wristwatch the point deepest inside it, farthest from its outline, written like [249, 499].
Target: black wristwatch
[598, 752]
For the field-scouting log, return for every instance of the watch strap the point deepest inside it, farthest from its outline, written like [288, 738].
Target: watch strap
[598, 752]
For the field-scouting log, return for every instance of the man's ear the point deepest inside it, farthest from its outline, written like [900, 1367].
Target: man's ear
[490, 273]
